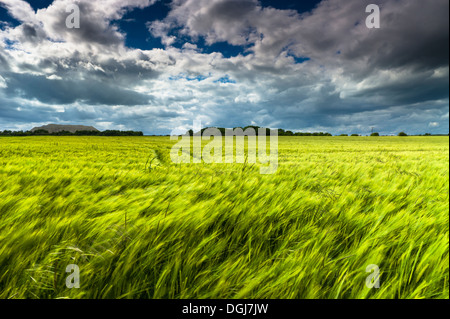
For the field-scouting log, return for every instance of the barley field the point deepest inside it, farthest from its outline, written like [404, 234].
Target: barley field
[139, 226]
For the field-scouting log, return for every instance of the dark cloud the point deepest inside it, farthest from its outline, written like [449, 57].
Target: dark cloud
[418, 90]
[94, 28]
[29, 31]
[414, 34]
[22, 113]
[66, 91]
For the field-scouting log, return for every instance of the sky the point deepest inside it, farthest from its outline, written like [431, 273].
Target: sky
[158, 65]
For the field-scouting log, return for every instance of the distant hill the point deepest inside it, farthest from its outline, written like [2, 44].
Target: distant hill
[55, 128]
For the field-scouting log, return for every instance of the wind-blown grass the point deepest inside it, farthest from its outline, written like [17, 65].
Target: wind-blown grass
[335, 206]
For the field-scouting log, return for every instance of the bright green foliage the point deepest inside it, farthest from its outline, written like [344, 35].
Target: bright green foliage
[139, 226]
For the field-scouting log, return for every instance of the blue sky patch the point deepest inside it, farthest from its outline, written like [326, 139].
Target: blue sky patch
[39, 4]
[133, 24]
[225, 79]
[300, 60]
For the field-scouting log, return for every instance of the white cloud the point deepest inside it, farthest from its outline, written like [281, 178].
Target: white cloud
[434, 124]
[20, 10]
[54, 77]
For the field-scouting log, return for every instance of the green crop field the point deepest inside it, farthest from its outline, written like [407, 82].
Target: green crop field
[139, 226]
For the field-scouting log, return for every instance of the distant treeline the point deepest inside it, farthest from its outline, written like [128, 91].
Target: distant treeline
[290, 133]
[281, 132]
[66, 133]
[223, 131]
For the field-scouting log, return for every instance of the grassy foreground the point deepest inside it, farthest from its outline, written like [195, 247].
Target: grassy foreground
[335, 206]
